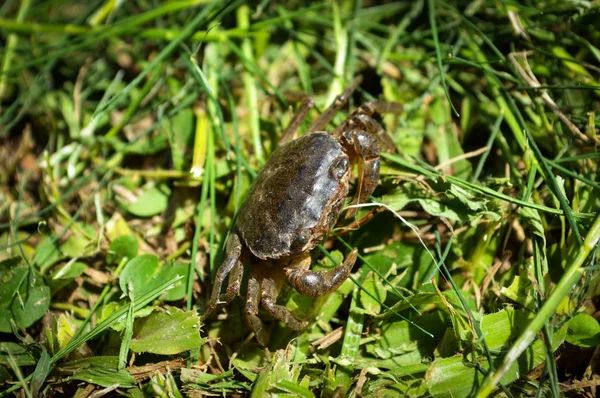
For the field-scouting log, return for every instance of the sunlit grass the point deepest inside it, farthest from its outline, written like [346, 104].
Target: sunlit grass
[130, 133]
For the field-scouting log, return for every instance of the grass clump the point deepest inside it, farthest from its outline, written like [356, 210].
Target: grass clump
[131, 131]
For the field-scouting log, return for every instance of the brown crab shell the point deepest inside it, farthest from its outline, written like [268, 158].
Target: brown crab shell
[296, 198]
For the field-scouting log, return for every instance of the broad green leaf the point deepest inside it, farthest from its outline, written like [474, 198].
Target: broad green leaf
[141, 272]
[457, 376]
[21, 355]
[47, 253]
[170, 270]
[79, 244]
[584, 331]
[454, 205]
[70, 270]
[24, 297]
[401, 343]
[145, 273]
[372, 302]
[105, 376]
[167, 333]
[152, 201]
[124, 246]
[452, 377]
[501, 327]
[520, 291]
[40, 372]
[179, 129]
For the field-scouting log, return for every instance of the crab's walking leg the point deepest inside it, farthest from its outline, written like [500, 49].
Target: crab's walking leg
[251, 308]
[232, 266]
[339, 102]
[314, 284]
[379, 106]
[291, 130]
[364, 147]
[270, 287]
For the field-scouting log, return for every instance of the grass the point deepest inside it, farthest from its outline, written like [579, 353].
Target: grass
[131, 131]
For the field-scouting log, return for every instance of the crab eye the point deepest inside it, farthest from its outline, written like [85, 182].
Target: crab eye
[339, 167]
[301, 239]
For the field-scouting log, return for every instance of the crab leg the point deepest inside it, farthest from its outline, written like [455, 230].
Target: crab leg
[291, 130]
[364, 147]
[270, 287]
[339, 102]
[233, 267]
[313, 283]
[251, 308]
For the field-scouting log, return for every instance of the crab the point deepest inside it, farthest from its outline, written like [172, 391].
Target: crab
[293, 203]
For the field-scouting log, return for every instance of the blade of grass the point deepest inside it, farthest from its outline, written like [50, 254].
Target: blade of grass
[128, 333]
[350, 346]
[236, 144]
[251, 67]
[562, 290]
[11, 43]
[22, 380]
[489, 144]
[547, 174]
[341, 45]
[573, 174]
[41, 372]
[201, 18]
[243, 21]
[135, 104]
[438, 53]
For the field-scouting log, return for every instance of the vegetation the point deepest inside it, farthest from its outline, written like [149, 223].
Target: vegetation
[131, 130]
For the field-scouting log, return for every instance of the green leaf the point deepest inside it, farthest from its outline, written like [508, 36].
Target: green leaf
[502, 327]
[40, 373]
[455, 204]
[170, 270]
[167, 333]
[124, 246]
[79, 244]
[140, 272]
[70, 270]
[105, 376]
[21, 355]
[147, 145]
[458, 376]
[24, 297]
[373, 285]
[402, 344]
[153, 201]
[452, 377]
[584, 331]
[520, 291]
[47, 253]
[180, 129]
[145, 273]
